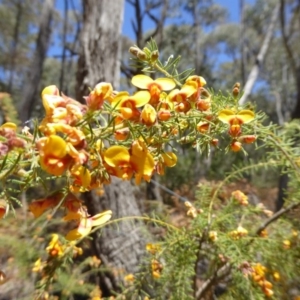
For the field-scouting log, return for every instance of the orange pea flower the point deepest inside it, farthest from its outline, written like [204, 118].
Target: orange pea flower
[124, 164]
[148, 115]
[155, 87]
[235, 120]
[81, 178]
[38, 207]
[127, 104]
[60, 109]
[168, 159]
[180, 97]
[54, 157]
[200, 82]
[101, 92]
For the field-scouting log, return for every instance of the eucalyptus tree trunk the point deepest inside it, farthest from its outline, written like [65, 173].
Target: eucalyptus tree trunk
[36, 68]
[120, 247]
[260, 57]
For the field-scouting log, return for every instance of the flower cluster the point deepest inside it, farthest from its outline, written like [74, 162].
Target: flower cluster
[259, 276]
[238, 233]
[240, 197]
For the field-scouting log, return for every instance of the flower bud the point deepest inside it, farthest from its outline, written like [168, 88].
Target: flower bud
[121, 134]
[138, 53]
[214, 142]
[236, 146]
[154, 55]
[164, 115]
[148, 115]
[247, 139]
[202, 127]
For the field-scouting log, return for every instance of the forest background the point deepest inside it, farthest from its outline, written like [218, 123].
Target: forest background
[255, 43]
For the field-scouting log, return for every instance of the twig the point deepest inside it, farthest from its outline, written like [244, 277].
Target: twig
[218, 275]
[276, 216]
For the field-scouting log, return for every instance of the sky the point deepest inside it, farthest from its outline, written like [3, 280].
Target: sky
[232, 6]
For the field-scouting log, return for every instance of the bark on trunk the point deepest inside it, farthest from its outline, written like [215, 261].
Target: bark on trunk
[31, 87]
[119, 247]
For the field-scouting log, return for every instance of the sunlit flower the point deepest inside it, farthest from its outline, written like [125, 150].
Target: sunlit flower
[73, 135]
[148, 115]
[196, 97]
[38, 266]
[286, 244]
[102, 91]
[124, 163]
[164, 114]
[247, 139]
[240, 197]
[81, 177]
[276, 276]
[38, 207]
[235, 120]
[155, 87]
[238, 233]
[129, 278]
[203, 126]
[235, 146]
[156, 268]
[127, 104]
[55, 248]
[180, 97]
[213, 235]
[60, 109]
[153, 248]
[121, 134]
[54, 157]
[86, 225]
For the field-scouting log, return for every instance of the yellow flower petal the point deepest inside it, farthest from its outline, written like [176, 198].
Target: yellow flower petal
[55, 146]
[139, 148]
[148, 115]
[101, 218]
[198, 79]
[141, 98]
[9, 125]
[119, 98]
[245, 115]
[50, 90]
[116, 154]
[143, 165]
[141, 81]
[170, 159]
[84, 228]
[226, 115]
[82, 175]
[189, 88]
[166, 84]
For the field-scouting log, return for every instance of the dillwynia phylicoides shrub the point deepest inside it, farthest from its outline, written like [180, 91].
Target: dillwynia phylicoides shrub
[132, 136]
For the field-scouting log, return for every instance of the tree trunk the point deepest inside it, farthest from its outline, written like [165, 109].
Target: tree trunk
[36, 68]
[121, 247]
[260, 57]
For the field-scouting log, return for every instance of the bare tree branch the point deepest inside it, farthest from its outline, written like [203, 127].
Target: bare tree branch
[275, 217]
[285, 39]
[218, 275]
[260, 57]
